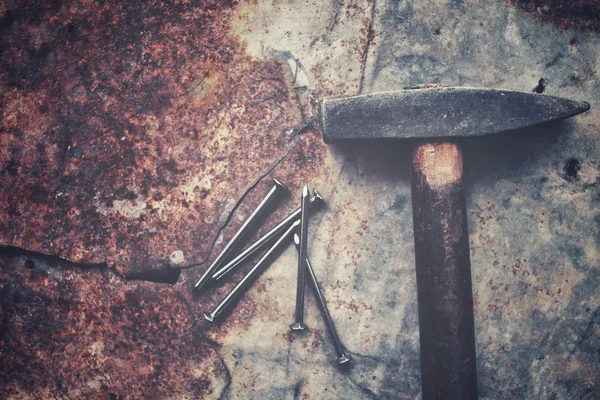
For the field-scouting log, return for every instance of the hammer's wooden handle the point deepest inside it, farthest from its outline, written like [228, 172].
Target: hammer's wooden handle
[448, 365]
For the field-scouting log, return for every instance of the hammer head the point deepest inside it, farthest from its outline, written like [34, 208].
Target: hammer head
[440, 113]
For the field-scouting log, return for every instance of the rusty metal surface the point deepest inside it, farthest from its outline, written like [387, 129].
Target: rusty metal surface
[70, 331]
[130, 130]
[243, 75]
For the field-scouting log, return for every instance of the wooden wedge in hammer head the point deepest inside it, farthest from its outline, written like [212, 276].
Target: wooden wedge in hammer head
[436, 120]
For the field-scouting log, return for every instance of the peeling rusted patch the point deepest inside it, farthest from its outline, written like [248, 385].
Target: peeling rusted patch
[68, 332]
[576, 14]
[129, 131]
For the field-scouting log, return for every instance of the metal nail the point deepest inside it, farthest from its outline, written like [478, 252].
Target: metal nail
[276, 191]
[342, 357]
[242, 285]
[260, 243]
[298, 324]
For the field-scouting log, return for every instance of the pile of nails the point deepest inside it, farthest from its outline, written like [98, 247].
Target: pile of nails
[294, 225]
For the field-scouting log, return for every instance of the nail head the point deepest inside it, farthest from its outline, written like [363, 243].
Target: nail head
[298, 326]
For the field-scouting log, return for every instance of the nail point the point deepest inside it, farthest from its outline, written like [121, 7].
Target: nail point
[209, 317]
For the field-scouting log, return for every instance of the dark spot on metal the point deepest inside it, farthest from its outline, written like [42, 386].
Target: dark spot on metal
[566, 14]
[77, 151]
[399, 203]
[298, 389]
[571, 168]
[541, 86]
[38, 194]
[11, 167]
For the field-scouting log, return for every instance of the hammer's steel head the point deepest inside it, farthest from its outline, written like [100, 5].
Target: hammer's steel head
[440, 113]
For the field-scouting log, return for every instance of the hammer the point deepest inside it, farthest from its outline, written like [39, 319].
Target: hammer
[436, 119]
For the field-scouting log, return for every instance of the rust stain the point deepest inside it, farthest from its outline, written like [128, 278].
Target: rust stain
[290, 337]
[313, 342]
[130, 130]
[134, 339]
[432, 85]
[567, 14]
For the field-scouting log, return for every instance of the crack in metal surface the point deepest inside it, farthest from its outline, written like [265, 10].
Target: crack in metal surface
[296, 131]
[29, 286]
[363, 389]
[225, 393]
[204, 76]
[52, 258]
[229, 217]
[370, 35]
[242, 197]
